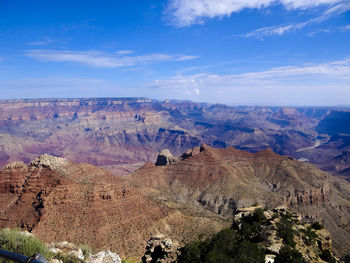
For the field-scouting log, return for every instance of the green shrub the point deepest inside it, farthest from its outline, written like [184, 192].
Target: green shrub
[16, 241]
[310, 235]
[225, 246]
[86, 249]
[285, 231]
[66, 258]
[251, 223]
[317, 226]
[289, 255]
[327, 256]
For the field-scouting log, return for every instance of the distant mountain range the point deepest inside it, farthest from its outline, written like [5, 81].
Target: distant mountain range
[122, 133]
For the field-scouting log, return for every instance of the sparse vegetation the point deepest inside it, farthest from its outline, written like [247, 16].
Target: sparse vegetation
[310, 235]
[317, 226]
[327, 256]
[86, 249]
[289, 255]
[229, 245]
[66, 258]
[251, 223]
[17, 241]
[285, 230]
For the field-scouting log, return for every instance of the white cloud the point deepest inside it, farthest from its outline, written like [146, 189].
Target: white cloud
[279, 30]
[43, 42]
[100, 59]
[310, 84]
[347, 27]
[275, 30]
[125, 52]
[189, 12]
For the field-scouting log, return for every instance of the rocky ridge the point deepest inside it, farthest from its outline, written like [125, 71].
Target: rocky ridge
[310, 241]
[224, 180]
[198, 193]
[87, 204]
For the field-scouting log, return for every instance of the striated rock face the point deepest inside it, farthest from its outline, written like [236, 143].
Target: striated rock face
[165, 157]
[160, 249]
[59, 200]
[224, 180]
[88, 205]
[118, 131]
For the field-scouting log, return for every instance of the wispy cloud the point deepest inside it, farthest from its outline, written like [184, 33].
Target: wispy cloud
[188, 12]
[347, 27]
[55, 87]
[324, 83]
[328, 30]
[43, 42]
[279, 30]
[100, 59]
[125, 52]
[275, 30]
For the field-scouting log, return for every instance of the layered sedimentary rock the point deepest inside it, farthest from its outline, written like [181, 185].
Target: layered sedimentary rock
[119, 133]
[59, 200]
[223, 180]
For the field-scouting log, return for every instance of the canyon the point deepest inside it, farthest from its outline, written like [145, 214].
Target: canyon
[120, 134]
[196, 194]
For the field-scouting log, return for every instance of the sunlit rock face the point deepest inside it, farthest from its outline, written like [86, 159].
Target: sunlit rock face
[122, 133]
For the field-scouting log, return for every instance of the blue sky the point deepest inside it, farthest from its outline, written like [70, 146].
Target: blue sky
[262, 52]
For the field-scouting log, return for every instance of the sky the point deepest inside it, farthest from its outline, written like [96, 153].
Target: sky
[237, 52]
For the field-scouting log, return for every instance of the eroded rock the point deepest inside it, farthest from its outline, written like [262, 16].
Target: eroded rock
[165, 157]
[160, 249]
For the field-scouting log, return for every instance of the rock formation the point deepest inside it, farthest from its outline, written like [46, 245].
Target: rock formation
[224, 180]
[165, 157]
[160, 249]
[111, 132]
[59, 200]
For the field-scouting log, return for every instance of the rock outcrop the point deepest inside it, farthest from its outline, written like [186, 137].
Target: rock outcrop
[160, 249]
[266, 228]
[164, 158]
[224, 180]
[85, 204]
[104, 257]
[198, 194]
[66, 248]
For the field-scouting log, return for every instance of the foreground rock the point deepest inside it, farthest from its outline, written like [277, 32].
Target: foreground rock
[104, 257]
[69, 249]
[59, 200]
[83, 204]
[224, 180]
[160, 249]
[271, 232]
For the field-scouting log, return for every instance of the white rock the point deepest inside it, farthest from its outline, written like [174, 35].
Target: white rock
[269, 258]
[104, 257]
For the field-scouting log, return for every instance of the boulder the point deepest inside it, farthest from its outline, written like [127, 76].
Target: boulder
[165, 157]
[161, 250]
[104, 257]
